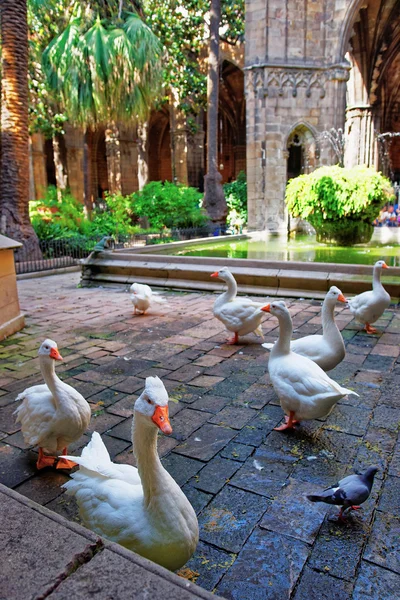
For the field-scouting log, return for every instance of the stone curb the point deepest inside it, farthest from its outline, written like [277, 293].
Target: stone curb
[163, 583]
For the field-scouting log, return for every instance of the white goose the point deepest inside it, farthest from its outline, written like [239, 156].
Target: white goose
[327, 350]
[142, 297]
[305, 391]
[142, 509]
[52, 415]
[369, 306]
[239, 315]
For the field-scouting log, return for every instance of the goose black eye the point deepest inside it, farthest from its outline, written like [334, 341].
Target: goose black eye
[149, 401]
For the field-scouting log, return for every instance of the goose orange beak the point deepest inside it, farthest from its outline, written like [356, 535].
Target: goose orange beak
[341, 298]
[214, 274]
[54, 353]
[161, 419]
[266, 308]
[384, 266]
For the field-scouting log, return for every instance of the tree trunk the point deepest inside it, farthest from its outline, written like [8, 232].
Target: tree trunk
[60, 167]
[14, 169]
[214, 200]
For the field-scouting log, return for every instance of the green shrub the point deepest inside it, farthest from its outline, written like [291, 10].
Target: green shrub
[169, 205]
[236, 199]
[336, 200]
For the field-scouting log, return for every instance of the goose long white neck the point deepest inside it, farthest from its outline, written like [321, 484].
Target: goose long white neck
[230, 293]
[282, 346]
[376, 280]
[53, 382]
[327, 316]
[154, 477]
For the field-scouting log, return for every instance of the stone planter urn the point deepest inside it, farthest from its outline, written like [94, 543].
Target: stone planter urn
[11, 318]
[344, 232]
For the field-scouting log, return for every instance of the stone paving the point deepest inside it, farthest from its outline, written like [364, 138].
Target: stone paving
[259, 536]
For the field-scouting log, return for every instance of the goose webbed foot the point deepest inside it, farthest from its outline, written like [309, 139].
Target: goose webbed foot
[65, 463]
[370, 329]
[234, 340]
[44, 460]
[289, 423]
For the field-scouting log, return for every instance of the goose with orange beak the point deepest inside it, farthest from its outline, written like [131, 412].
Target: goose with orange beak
[368, 307]
[239, 315]
[142, 509]
[327, 350]
[53, 415]
[305, 391]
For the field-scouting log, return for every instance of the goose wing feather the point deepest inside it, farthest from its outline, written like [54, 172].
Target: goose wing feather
[36, 413]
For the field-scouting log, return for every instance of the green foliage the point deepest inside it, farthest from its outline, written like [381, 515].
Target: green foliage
[103, 66]
[333, 193]
[236, 200]
[169, 205]
[335, 200]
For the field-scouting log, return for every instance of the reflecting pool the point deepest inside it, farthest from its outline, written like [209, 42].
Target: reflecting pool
[385, 245]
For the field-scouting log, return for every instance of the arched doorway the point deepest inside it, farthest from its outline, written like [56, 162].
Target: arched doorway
[302, 151]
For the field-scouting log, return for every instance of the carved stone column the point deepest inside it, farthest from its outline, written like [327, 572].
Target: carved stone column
[128, 144]
[361, 146]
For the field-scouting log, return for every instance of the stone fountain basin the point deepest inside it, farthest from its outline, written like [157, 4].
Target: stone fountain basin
[256, 277]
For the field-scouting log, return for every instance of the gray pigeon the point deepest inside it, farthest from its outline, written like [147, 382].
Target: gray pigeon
[349, 492]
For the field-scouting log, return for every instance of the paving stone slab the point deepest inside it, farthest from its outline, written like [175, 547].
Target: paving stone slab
[374, 583]
[386, 418]
[256, 431]
[181, 468]
[383, 546]
[390, 498]
[319, 470]
[293, 513]
[215, 474]
[321, 586]
[45, 487]
[338, 548]
[267, 568]
[186, 422]
[348, 419]
[197, 498]
[208, 565]
[15, 465]
[229, 519]
[236, 451]
[210, 403]
[206, 442]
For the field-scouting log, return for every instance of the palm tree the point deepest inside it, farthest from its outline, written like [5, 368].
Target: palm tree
[14, 169]
[214, 200]
[105, 71]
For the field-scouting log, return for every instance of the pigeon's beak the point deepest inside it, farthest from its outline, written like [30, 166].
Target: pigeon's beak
[266, 308]
[341, 298]
[384, 266]
[54, 353]
[161, 419]
[214, 274]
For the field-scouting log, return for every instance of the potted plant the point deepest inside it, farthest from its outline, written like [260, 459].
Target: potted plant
[339, 203]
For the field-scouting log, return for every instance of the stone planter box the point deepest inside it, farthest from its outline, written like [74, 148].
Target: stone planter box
[11, 318]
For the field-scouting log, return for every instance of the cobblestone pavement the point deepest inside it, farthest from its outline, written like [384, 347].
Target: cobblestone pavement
[259, 536]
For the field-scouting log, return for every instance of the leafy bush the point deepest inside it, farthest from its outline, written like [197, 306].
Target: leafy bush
[336, 200]
[236, 199]
[52, 218]
[169, 205]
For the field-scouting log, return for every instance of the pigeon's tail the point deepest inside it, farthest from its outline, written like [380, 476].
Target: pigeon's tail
[316, 498]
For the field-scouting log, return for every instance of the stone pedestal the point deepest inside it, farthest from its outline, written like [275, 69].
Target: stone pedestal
[11, 318]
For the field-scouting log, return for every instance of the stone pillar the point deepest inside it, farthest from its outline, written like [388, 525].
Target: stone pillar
[113, 153]
[179, 141]
[129, 155]
[361, 144]
[38, 165]
[74, 148]
[278, 100]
